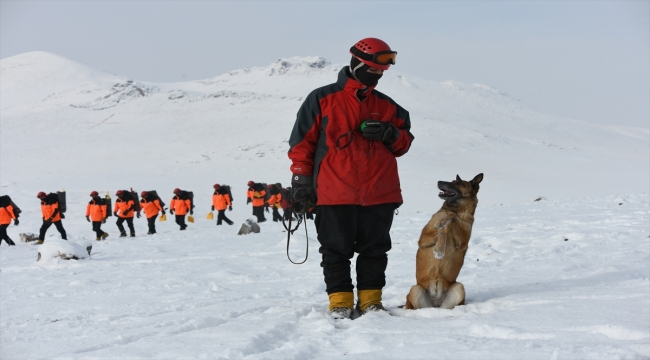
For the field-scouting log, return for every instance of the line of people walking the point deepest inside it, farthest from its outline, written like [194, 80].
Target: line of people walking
[263, 197]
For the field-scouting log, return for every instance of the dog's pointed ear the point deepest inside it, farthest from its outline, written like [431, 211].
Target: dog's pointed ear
[458, 178]
[477, 179]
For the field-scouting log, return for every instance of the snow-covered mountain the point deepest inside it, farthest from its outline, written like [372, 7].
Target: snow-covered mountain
[64, 118]
[563, 277]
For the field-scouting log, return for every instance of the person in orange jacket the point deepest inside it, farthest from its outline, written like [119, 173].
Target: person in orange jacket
[125, 206]
[151, 208]
[6, 215]
[96, 211]
[275, 200]
[256, 194]
[181, 205]
[221, 202]
[51, 215]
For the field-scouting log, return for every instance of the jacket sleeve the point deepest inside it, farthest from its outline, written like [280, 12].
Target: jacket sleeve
[228, 202]
[304, 136]
[157, 203]
[402, 121]
[104, 207]
[88, 209]
[10, 210]
[172, 204]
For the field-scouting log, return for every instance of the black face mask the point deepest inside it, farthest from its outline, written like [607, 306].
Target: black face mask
[362, 74]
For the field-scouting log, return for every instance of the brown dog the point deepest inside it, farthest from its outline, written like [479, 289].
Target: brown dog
[442, 247]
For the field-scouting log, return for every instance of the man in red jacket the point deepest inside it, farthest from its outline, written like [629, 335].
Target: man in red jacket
[343, 149]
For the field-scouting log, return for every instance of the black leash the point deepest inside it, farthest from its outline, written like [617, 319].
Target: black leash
[290, 232]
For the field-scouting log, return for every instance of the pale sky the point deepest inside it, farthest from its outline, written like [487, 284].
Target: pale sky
[586, 60]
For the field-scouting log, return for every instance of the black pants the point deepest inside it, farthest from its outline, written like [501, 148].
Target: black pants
[129, 222]
[180, 220]
[222, 217]
[4, 236]
[276, 214]
[97, 228]
[152, 224]
[346, 229]
[46, 225]
[259, 212]
[286, 214]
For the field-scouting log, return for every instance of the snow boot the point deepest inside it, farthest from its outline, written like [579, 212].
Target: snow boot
[123, 234]
[369, 300]
[40, 241]
[132, 234]
[339, 313]
[341, 304]
[104, 236]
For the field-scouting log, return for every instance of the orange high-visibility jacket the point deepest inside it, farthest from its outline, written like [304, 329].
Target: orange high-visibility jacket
[258, 198]
[221, 201]
[6, 215]
[96, 210]
[49, 207]
[275, 200]
[180, 206]
[122, 206]
[150, 208]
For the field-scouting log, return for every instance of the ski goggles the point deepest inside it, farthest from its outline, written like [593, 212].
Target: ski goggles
[382, 58]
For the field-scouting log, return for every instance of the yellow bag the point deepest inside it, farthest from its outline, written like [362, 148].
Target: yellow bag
[190, 219]
[163, 217]
[210, 216]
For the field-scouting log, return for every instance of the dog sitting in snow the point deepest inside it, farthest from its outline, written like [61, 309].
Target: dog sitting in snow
[442, 247]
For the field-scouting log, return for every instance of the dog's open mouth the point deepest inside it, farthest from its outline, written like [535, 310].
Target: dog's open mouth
[446, 194]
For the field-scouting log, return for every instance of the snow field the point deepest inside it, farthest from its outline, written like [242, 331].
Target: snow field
[206, 293]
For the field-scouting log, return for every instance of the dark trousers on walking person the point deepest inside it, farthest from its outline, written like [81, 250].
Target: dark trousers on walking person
[221, 216]
[258, 211]
[180, 220]
[276, 214]
[97, 228]
[347, 229]
[4, 236]
[46, 225]
[151, 222]
[129, 222]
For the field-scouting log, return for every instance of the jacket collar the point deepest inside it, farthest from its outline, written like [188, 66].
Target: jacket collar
[351, 84]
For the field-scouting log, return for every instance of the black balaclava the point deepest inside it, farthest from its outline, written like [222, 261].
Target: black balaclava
[360, 72]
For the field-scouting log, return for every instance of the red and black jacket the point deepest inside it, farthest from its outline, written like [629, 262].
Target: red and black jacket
[326, 143]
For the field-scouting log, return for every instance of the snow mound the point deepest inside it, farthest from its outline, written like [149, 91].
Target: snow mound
[67, 250]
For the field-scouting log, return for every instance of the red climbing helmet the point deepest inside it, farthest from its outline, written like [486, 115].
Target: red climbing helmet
[177, 191]
[144, 194]
[94, 193]
[216, 186]
[119, 193]
[250, 183]
[41, 195]
[374, 53]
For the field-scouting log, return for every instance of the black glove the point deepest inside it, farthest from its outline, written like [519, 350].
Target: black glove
[104, 221]
[115, 214]
[191, 212]
[303, 192]
[230, 208]
[379, 131]
[171, 211]
[88, 218]
[16, 222]
[163, 212]
[248, 201]
[138, 214]
[266, 208]
[212, 208]
[62, 216]
[125, 212]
